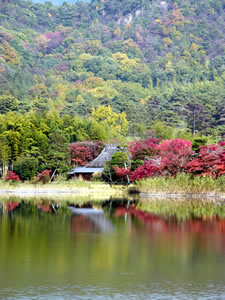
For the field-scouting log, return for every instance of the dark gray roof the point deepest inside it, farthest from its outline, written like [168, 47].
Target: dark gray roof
[84, 170]
[104, 156]
[98, 164]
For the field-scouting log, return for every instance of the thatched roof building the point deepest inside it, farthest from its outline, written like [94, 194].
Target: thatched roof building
[97, 165]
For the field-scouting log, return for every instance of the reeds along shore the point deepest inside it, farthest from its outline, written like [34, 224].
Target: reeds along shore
[182, 183]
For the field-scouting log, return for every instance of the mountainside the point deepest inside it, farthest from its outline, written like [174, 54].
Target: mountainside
[155, 60]
[56, 2]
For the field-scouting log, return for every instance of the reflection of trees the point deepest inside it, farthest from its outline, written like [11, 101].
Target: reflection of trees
[143, 245]
[182, 235]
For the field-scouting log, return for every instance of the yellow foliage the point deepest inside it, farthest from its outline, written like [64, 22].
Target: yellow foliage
[93, 82]
[92, 46]
[202, 52]
[167, 42]
[119, 56]
[104, 92]
[125, 63]
[169, 64]
[41, 42]
[169, 55]
[83, 57]
[187, 54]
[144, 101]
[8, 53]
[79, 99]
[117, 32]
[63, 29]
[177, 18]
[116, 123]
[194, 47]
[39, 89]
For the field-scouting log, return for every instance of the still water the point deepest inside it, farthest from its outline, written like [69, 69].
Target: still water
[117, 253]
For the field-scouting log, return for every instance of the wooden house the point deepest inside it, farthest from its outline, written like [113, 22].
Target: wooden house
[95, 166]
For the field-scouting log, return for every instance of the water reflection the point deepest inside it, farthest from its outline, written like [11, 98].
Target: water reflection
[123, 253]
[88, 222]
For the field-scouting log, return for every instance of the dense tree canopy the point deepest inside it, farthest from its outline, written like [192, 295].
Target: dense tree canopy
[105, 70]
[155, 61]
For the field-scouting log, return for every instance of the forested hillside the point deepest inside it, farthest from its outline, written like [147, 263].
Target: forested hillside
[160, 62]
[56, 2]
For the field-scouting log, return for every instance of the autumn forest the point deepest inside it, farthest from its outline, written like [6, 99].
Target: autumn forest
[111, 71]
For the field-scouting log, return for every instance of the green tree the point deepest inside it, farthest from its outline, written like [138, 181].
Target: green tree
[8, 103]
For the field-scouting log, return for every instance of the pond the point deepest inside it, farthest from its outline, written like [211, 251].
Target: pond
[110, 251]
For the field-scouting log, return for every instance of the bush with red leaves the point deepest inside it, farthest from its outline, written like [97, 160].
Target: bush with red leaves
[122, 173]
[84, 152]
[170, 158]
[140, 150]
[44, 176]
[11, 176]
[148, 169]
[210, 161]
[175, 155]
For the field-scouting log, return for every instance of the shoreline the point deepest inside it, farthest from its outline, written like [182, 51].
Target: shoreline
[107, 193]
[62, 191]
[187, 196]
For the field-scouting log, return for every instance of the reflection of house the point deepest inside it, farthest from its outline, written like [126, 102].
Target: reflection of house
[95, 166]
[89, 220]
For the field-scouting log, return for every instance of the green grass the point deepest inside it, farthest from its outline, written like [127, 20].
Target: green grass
[182, 184]
[63, 190]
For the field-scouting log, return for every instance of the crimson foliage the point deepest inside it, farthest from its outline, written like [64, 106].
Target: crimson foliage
[148, 169]
[11, 176]
[210, 161]
[84, 152]
[140, 150]
[44, 176]
[175, 155]
[171, 158]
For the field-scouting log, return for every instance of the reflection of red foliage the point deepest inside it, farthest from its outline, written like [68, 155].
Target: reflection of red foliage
[159, 223]
[120, 212]
[11, 205]
[45, 208]
[82, 224]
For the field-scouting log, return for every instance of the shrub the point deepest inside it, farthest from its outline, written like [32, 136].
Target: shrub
[44, 176]
[141, 150]
[84, 152]
[175, 155]
[26, 168]
[119, 159]
[11, 176]
[210, 161]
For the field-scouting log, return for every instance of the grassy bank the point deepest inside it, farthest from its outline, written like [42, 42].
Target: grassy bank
[63, 190]
[182, 184]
